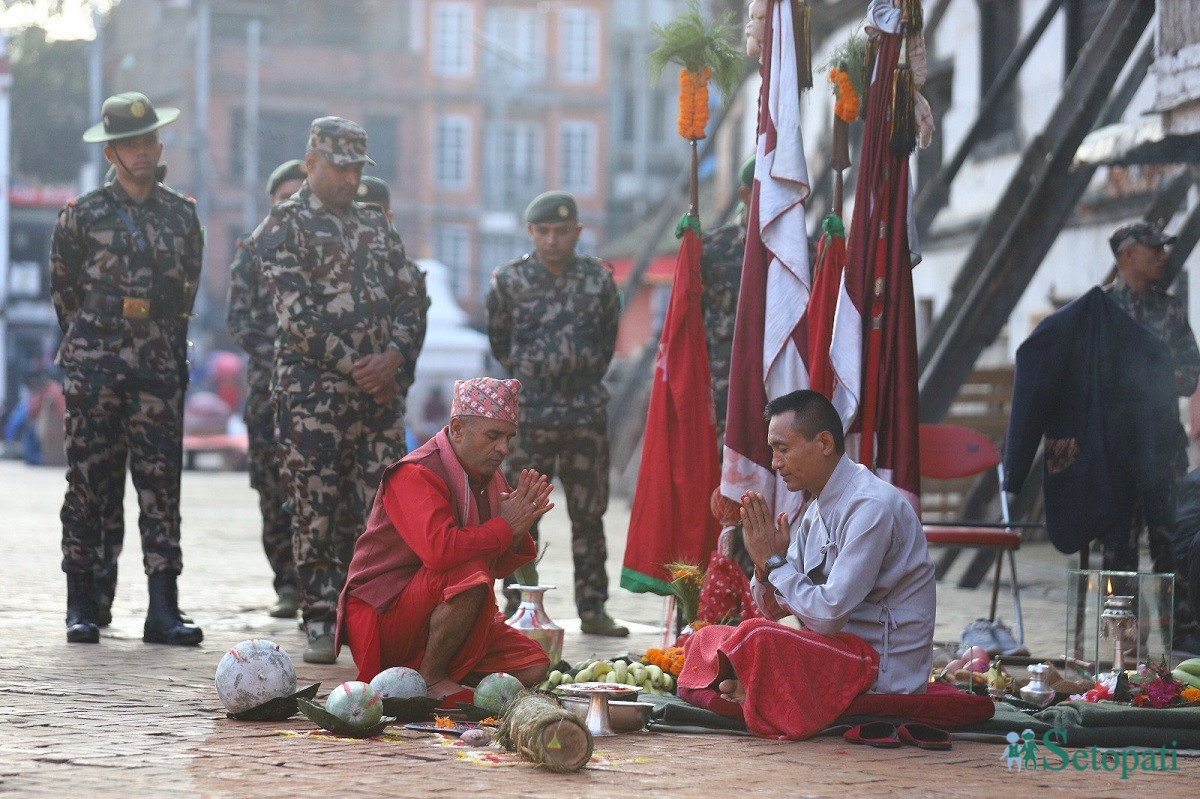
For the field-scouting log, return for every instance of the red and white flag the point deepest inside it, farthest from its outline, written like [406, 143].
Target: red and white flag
[874, 338]
[770, 339]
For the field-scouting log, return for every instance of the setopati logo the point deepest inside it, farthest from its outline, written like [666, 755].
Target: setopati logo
[1024, 753]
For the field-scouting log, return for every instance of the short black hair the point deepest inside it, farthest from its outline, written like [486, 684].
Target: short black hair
[814, 414]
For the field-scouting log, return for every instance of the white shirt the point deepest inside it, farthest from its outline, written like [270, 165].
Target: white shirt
[865, 547]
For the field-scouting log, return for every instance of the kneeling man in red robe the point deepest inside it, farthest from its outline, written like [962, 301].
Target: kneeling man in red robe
[444, 526]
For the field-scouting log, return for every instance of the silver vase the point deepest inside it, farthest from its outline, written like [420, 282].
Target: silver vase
[533, 622]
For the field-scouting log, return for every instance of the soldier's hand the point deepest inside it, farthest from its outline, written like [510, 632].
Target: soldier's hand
[527, 503]
[373, 372]
[386, 394]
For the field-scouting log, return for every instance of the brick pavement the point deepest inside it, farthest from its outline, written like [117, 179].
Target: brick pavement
[125, 718]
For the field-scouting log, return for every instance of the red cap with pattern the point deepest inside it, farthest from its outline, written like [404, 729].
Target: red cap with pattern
[488, 397]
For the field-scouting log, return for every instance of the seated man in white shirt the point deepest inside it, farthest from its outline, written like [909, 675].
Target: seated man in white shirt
[856, 562]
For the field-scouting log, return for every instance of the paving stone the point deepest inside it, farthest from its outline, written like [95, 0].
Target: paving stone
[122, 718]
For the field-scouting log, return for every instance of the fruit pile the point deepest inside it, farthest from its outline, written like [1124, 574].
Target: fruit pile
[1188, 673]
[647, 677]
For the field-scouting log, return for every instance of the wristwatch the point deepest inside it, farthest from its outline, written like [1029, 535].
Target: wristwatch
[773, 563]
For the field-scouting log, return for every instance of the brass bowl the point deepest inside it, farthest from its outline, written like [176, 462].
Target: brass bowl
[623, 716]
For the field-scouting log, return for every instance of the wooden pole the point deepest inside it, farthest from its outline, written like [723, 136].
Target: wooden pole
[694, 210]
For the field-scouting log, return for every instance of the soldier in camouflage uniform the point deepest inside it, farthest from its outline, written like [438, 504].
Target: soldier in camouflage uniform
[374, 192]
[251, 323]
[1140, 250]
[552, 323]
[347, 316]
[124, 268]
[113, 527]
[721, 255]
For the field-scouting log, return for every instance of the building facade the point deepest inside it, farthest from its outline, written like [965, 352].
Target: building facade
[472, 107]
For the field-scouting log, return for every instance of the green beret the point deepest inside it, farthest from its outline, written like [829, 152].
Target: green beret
[551, 206]
[288, 170]
[373, 191]
[746, 173]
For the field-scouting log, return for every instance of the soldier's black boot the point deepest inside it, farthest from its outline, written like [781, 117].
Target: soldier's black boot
[173, 596]
[81, 608]
[106, 589]
[163, 625]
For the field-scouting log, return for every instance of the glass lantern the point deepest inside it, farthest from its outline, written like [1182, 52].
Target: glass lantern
[1117, 620]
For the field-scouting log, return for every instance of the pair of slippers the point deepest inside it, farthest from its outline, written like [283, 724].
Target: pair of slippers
[886, 735]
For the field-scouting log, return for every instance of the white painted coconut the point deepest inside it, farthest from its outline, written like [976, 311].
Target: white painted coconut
[253, 673]
[355, 703]
[497, 691]
[399, 682]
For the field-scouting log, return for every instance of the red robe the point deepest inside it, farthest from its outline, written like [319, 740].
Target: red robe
[427, 540]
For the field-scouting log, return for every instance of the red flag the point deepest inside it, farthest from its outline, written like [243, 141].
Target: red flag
[770, 339]
[876, 330]
[827, 281]
[670, 520]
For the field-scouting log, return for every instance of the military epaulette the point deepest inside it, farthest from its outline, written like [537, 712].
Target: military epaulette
[170, 192]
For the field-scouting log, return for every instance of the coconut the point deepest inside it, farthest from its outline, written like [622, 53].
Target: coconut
[399, 682]
[497, 691]
[355, 703]
[253, 673]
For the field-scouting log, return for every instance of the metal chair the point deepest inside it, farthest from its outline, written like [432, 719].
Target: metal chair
[950, 452]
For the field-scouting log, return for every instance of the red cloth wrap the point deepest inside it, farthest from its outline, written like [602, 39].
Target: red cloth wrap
[796, 681]
[380, 641]
[725, 593]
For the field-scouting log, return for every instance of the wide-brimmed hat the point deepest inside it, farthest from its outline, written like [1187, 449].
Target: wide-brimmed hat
[128, 114]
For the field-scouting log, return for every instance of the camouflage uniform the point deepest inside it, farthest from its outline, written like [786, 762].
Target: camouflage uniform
[721, 275]
[124, 316]
[1166, 316]
[251, 323]
[556, 334]
[339, 291]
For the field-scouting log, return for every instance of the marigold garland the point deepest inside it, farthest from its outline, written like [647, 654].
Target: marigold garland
[705, 53]
[847, 104]
[693, 103]
[669, 660]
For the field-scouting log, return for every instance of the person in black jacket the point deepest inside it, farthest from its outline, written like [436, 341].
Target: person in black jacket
[1141, 255]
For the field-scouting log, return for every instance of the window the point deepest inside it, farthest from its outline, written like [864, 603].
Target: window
[452, 25]
[515, 44]
[514, 168]
[452, 246]
[998, 31]
[577, 157]
[383, 147]
[452, 167]
[496, 249]
[282, 136]
[580, 45]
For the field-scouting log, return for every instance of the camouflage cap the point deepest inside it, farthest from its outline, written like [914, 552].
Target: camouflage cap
[288, 170]
[339, 140]
[1142, 233]
[128, 114]
[373, 191]
[551, 206]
